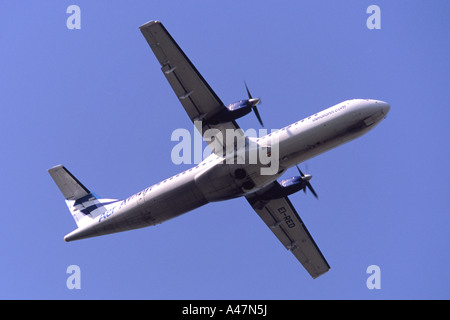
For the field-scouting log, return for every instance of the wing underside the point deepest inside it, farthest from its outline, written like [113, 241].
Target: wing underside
[193, 92]
[283, 220]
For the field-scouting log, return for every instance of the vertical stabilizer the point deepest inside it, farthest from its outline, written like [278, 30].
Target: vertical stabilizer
[82, 203]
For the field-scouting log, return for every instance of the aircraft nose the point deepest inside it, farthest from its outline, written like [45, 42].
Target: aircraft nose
[385, 107]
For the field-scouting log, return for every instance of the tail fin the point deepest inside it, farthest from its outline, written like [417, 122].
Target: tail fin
[82, 203]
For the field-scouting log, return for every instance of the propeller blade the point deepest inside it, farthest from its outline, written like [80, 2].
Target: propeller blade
[312, 190]
[299, 171]
[308, 184]
[254, 102]
[248, 91]
[255, 110]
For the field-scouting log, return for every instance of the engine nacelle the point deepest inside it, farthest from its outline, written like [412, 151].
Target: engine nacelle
[285, 188]
[234, 111]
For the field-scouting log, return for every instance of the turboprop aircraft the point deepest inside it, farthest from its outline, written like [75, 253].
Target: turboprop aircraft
[226, 173]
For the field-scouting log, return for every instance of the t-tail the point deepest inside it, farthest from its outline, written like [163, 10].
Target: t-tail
[83, 204]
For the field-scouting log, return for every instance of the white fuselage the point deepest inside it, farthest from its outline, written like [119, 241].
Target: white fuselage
[214, 179]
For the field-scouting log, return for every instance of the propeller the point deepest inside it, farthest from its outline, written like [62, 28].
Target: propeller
[254, 102]
[307, 177]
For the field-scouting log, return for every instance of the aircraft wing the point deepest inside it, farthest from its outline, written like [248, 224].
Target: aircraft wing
[282, 218]
[194, 93]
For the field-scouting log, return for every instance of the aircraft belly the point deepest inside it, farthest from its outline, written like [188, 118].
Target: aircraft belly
[222, 182]
[173, 202]
[158, 205]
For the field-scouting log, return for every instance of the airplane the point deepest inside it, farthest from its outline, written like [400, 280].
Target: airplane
[216, 178]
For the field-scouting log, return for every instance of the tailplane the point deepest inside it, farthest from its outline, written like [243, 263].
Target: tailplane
[83, 204]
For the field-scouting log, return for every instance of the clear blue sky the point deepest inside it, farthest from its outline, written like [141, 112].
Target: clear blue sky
[96, 101]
